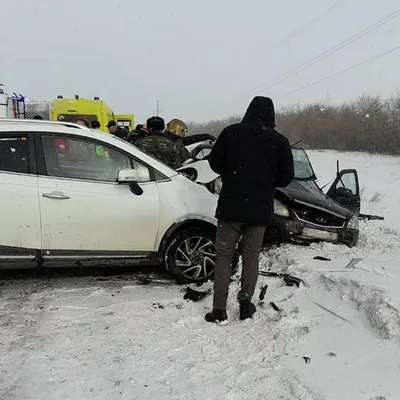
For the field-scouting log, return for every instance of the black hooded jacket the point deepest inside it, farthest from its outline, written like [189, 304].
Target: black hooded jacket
[252, 159]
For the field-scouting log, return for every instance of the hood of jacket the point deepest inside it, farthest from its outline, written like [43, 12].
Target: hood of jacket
[261, 109]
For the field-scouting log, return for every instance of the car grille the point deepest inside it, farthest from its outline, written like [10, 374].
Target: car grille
[319, 218]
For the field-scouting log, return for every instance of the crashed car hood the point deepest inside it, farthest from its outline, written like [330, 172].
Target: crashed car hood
[298, 192]
[307, 194]
[204, 173]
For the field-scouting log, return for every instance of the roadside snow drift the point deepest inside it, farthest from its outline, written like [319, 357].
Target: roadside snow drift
[334, 337]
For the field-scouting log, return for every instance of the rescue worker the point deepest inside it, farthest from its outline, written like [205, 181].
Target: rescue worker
[117, 130]
[157, 145]
[176, 131]
[140, 130]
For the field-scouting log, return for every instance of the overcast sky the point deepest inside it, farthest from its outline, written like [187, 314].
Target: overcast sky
[202, 59]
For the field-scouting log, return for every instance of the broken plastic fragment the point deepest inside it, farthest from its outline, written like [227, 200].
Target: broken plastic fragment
[288, 279]
[263, 291]
[320, 258]
[292, 281]
[195, 295]
[274, 306]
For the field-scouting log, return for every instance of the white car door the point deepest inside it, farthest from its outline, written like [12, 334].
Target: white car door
[20, 223]
[84, 211]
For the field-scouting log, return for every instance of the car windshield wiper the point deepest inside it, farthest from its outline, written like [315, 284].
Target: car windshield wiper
[295, 144]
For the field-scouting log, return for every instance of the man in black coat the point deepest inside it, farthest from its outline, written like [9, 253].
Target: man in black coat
[116, 130]
[252, 159]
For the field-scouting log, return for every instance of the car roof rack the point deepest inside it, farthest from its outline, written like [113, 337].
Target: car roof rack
[41, 122]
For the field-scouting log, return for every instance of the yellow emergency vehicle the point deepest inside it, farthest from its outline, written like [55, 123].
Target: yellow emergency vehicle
[93, 110]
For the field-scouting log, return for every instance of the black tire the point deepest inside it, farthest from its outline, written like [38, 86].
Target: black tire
[199, 266]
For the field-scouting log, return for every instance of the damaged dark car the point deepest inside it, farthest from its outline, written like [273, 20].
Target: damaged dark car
[303, 212]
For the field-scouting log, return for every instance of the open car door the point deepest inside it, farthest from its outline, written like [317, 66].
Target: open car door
[346, 190]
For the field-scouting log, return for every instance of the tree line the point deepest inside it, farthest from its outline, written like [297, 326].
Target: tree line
[368, 124]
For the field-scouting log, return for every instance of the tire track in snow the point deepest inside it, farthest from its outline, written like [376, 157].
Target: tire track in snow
[297, 388]
[373, 302]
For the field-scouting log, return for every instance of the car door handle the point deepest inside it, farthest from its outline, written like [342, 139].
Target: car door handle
[56, 196]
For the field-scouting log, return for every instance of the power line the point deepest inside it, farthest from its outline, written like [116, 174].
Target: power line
[313, 21]
[341, 72]
[306, 25]
[283, 77]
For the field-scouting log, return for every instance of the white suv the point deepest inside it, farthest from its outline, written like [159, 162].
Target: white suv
[70, 193]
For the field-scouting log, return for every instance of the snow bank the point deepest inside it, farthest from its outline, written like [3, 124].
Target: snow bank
[374, 302]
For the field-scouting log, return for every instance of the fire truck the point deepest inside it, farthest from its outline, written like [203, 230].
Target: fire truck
[11, 106]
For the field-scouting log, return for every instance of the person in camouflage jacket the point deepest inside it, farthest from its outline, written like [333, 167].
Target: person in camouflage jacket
[157, 145]
[176, 131]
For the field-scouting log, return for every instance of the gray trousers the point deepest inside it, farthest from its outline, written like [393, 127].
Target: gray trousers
[228, 235]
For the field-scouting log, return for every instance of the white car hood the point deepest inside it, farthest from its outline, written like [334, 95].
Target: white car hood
[205, 173]
[190, 147]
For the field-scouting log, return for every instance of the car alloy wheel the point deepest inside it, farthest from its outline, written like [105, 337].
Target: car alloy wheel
[195, 258]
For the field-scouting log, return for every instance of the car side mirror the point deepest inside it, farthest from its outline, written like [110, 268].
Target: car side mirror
[344, 192]
[127, 176]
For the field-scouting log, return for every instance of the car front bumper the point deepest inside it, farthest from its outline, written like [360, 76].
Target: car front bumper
[292, 230]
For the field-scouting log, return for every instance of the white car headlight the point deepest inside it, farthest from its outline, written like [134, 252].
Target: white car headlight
[354, 223]
[280, 209]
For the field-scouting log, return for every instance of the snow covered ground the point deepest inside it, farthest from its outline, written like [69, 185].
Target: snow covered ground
[336, 338]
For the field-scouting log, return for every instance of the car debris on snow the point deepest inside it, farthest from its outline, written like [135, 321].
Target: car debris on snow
[331, 312]
[320, 258]
[370, 217]
[262, 292]
[274, 306]
[353, 263]
[158, 305]
[195, 295]
[287, 278]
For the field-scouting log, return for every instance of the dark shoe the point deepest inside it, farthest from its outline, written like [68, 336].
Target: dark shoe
[216, 316]
[247, 309]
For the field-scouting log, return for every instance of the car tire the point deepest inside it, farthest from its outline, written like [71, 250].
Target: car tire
[190, 256]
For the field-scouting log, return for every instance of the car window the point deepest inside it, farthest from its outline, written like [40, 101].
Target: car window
[88, 160]
[302, 166]
[14, 154]
[348, 181]
[142, 172]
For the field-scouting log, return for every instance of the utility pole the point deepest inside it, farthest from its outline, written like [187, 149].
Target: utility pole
[159, 109]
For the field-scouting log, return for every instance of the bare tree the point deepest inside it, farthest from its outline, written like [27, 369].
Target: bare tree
[369, 124]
